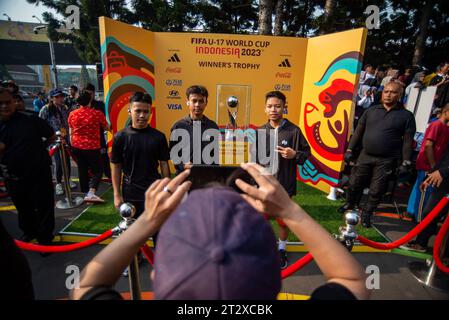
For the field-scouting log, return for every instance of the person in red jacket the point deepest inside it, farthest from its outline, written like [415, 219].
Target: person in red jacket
[85, 124]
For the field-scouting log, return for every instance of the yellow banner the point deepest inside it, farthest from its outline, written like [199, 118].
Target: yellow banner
[318, 77]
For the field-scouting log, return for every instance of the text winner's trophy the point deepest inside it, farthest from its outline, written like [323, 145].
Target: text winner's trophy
[233, 111]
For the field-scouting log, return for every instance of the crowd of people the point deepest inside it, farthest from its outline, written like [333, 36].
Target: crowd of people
[385, 145]
[372, 81]
[137, 152]
[380, 149]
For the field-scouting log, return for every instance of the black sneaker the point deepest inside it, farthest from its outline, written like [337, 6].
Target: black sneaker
[284, 260]
[345, 207]
[366, 219]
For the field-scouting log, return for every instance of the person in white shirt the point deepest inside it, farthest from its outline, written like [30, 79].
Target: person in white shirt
[366, 97]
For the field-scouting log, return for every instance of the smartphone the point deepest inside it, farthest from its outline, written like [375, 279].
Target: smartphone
[203, 176]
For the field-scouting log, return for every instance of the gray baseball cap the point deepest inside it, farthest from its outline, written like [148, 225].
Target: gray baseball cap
[216, 246]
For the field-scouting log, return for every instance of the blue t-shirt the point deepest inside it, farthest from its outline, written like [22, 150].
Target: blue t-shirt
[38, 104]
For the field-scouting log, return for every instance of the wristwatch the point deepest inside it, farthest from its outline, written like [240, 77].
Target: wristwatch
[406, 162]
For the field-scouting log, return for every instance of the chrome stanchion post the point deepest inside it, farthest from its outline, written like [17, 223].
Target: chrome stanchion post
[127, 211]
[428, 273]
[65, 172]
[68, 202]
[348, 234]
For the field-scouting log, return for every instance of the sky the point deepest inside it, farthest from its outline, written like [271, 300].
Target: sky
[21, 10]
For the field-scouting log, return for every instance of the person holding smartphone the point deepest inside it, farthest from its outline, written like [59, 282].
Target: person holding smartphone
[293, 150]
[204, 248]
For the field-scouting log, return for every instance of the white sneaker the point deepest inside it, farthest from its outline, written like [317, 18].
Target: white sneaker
[73, 184]
[93, 198]
[59, 190]
[125, 273]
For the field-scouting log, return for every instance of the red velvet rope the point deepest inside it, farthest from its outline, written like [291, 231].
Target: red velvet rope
[437, 245]
[287, 272]
[412, 234]
[148, 253]
[64, 248]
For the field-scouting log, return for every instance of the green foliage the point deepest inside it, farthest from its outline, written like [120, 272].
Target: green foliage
[84, 77]
[222, 16]
[392, 44]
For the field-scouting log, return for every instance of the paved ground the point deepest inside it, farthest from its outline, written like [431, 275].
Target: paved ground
[396, 281]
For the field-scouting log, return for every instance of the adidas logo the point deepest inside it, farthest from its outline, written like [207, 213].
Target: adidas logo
[285, 64]
[174, 58]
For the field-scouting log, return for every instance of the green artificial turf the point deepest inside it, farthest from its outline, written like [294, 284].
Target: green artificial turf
[315, 203]
[98, 217]
[101, 217]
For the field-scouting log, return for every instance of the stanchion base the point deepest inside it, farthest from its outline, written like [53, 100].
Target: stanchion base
[429, 276]
[64, 204]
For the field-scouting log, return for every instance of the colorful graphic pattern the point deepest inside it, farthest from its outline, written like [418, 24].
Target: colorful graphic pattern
[127, 71]
[330, 118]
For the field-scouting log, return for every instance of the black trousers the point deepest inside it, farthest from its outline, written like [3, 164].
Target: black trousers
[34, 200]
[373, 172]
[425, 235]
[106, 163]
[89, 159]
[58, 165]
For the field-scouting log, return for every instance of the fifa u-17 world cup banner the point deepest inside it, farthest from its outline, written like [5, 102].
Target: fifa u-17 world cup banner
[318, 76]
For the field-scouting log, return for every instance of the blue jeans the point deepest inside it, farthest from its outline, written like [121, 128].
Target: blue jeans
[415, 195]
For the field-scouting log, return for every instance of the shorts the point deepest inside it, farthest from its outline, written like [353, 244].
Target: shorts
[280, 222]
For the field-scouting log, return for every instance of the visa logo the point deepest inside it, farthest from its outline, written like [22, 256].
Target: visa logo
[174, 106]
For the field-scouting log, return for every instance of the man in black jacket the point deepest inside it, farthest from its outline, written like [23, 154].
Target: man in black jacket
[386, 133]
[197, 102]
[26, 167]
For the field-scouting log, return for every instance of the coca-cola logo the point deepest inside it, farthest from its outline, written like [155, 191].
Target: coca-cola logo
[284, 75]
[173, 70]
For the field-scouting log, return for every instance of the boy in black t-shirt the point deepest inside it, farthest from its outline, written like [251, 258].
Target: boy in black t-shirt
[137, 152]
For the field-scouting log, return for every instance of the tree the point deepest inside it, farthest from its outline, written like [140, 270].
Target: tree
[265, 19]
[84, 77]
[86, 40]
[298, 17]
[227, 16]
[279, 17]
[420, 42]
[329, 7]
[411, 31]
